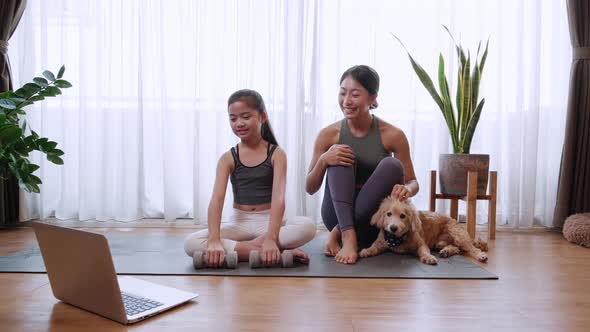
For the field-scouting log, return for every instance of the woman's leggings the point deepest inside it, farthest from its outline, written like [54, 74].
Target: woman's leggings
[346, 207]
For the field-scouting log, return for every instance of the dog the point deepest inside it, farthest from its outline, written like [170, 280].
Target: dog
[403, 229]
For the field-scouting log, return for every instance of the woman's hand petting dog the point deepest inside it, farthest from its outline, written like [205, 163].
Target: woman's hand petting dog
[402, 229]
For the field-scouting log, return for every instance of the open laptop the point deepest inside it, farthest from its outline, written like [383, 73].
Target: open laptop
[81, 272]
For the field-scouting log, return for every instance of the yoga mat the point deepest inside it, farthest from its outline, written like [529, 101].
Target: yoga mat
[164, 255]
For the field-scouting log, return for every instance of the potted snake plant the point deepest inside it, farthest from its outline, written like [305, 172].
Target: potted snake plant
[461, 118]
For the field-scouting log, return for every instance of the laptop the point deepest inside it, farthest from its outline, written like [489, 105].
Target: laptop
[81, 272]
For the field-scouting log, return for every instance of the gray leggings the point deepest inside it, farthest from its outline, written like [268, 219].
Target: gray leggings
[347, 207]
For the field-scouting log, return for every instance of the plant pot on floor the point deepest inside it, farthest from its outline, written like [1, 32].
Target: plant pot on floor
[453, 169]
[9, 202]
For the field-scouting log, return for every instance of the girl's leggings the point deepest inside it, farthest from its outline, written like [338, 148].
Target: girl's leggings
[244, 226]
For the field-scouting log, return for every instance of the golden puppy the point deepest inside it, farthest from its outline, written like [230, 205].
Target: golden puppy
[405, 230]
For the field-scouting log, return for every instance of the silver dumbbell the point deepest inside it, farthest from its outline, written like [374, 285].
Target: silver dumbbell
[255, 261]
[230, 261]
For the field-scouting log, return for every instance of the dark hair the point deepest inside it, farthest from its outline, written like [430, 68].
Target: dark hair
[366, 76]
[254, 100]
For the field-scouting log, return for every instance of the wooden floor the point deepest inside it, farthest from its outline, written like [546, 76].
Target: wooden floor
[544, 285]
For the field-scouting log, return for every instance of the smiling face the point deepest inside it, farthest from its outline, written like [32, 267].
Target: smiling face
[245, 121]
[396, 217]
[353, 98]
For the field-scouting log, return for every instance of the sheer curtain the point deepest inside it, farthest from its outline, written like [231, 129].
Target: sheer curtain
[146, 121]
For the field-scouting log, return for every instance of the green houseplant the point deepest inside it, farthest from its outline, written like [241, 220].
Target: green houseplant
[17, 139]
[461, 118]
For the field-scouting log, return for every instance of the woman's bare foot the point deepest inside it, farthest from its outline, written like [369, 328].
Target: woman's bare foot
[300, 256]
[333, 243]
[349, 252]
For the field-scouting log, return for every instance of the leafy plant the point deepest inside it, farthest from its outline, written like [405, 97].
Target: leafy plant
[17, 141]
[462, 123]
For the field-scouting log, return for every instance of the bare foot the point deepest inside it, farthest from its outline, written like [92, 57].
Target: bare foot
[333, 243]
[300, 256]
[243, 248]
[258, 241]
[349, 252]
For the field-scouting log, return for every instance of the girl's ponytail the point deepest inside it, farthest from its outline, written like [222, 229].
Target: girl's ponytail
[267, 133]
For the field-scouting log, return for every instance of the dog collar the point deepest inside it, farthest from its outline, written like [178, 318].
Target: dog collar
[392, 240]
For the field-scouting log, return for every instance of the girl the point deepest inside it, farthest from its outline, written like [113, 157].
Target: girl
[257, 168]
[355, 154]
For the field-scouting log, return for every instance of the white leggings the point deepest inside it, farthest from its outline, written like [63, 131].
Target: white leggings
[248, 225]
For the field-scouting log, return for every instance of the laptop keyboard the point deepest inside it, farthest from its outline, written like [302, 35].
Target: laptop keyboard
[136, 304]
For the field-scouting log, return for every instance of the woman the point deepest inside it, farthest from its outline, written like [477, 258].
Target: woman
[356, 156]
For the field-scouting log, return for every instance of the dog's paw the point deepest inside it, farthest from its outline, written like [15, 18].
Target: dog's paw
[446, 253]
[366, 253]
[430, 260]
[480, 244]
[482, 257]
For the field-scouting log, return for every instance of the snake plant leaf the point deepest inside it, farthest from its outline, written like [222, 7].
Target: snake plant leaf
[471, 127]
[450, 34]
[465, 103]
[426, 81]
[475, 91]
[458, 48]
[423, 76]
[462, 56]
[447, 110]
[483, 58]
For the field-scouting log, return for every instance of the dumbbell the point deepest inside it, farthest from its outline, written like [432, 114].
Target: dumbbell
[230, 261]
[255, 260]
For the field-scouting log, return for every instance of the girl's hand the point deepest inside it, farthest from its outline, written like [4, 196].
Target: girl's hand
[215, 253]
[400, 192]
[270, 252]
[338, 155]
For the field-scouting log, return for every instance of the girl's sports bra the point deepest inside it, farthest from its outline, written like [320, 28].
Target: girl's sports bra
[252, 185]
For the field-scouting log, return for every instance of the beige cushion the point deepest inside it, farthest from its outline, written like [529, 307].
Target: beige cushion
[577, 229]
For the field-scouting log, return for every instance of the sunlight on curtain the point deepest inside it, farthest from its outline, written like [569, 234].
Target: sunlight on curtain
[146, 121]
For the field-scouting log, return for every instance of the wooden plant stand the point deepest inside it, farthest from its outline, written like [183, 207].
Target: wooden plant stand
[471, 199]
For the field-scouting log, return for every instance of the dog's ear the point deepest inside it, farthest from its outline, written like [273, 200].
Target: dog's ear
[415, 223]
[377, 217]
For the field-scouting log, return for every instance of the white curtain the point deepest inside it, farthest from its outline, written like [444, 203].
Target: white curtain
[146, 120]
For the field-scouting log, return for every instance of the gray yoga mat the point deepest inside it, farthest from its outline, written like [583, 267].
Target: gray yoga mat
[164, 255]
